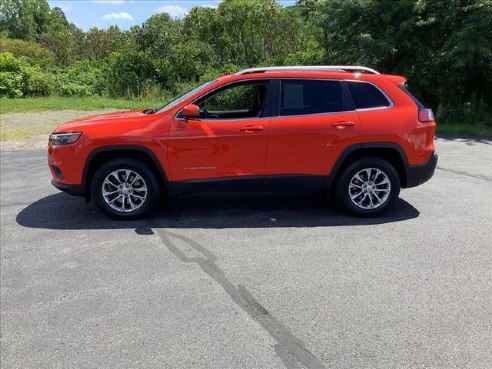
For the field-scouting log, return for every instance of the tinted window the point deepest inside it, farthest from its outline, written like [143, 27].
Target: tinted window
[310, 97]
[366, 95]
[236, 101]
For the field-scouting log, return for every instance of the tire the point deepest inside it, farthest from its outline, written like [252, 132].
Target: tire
[125, 188]
[367, 187]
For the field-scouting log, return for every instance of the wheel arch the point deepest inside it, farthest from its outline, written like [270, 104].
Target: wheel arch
[391, 152]
[103, 154]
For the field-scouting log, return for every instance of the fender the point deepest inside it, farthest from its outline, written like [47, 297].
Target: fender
[367, 146]
[103, 149]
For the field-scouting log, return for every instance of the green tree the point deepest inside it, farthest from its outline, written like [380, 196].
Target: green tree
[98, 44]
[130, 74]
[61, 38]
[256, 31]
[159, 34]
[33, 52]
[24, 19]
[422, 39]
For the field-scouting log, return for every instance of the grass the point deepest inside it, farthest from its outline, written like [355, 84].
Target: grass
[23, 127]
[15, 134]
[478, 130]
[72, 103]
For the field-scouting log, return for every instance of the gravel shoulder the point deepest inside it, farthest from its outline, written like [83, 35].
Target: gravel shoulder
[30, 131]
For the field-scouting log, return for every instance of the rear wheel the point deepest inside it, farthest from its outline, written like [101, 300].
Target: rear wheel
[125, 189]
[367, 187]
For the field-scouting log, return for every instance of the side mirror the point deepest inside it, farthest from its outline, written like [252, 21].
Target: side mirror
[191, 111]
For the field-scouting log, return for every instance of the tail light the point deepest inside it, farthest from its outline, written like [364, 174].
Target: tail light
[426, 115]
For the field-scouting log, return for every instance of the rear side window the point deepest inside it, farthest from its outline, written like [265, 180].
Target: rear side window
[299, 97]
[367, 96]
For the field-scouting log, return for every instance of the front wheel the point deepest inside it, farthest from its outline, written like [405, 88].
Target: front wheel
[125, 189]
[367, 187]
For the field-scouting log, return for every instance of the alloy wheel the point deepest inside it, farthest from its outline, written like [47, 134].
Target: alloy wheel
[369, 188]
[124, 190]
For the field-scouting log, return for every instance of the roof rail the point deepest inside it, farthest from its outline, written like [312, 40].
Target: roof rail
[340, 68]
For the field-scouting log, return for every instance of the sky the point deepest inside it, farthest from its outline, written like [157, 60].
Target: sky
[126, 13]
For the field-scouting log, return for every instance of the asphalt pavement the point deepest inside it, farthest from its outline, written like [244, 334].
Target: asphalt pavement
[250, 280]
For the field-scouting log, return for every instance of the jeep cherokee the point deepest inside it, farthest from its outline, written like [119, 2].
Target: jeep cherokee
[345, 128]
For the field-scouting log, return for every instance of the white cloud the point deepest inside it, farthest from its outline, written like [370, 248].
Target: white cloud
[208, 6]
[121, 15]
[174, 11]
[114, 2]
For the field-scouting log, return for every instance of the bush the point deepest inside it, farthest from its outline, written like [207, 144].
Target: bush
[83, 78]
[475, 111]
[130, 74]
[34, 53]
[36, 82]
[18, 78]
[10, 85]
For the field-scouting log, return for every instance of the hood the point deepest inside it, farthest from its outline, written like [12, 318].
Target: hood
[107, 118]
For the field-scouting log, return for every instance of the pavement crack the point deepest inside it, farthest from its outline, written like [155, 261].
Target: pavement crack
[463, 173]
[289, 348]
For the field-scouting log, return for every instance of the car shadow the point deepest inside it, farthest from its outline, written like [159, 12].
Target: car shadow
[468, 139]
[64, 212]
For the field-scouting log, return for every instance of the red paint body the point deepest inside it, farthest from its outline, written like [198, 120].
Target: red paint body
[192, 149]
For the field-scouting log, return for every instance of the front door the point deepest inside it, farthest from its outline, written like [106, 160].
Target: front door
[227, 141]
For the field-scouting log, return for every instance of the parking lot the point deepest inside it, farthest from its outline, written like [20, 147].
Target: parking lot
[252, 280]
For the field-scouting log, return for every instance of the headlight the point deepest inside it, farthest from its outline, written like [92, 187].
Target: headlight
[64, 138]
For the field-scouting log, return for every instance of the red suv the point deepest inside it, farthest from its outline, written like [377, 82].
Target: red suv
[345, 128]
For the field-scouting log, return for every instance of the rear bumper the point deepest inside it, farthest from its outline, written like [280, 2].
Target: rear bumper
[76, 190]
[418, 174]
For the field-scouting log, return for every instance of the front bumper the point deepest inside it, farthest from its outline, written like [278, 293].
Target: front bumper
[418, 174]
[76, 190]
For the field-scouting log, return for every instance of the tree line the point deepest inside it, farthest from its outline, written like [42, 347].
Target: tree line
[443, 47]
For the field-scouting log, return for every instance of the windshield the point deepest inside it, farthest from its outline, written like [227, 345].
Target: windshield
[186, 95]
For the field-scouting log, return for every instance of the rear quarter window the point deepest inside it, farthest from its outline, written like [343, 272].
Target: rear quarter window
[367, 96]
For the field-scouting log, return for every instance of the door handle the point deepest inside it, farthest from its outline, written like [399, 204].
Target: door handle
[251, 129]
[343, 124]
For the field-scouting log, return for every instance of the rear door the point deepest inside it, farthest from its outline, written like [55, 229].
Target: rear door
[315, 121]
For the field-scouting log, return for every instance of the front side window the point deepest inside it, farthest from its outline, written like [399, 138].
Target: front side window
[299, 97]
[238, 101]
[367, 96]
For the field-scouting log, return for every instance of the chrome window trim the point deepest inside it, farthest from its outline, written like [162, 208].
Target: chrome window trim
[310, 114]
[295, 115]
[219, 87]
[391, 104]
[222, 119]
